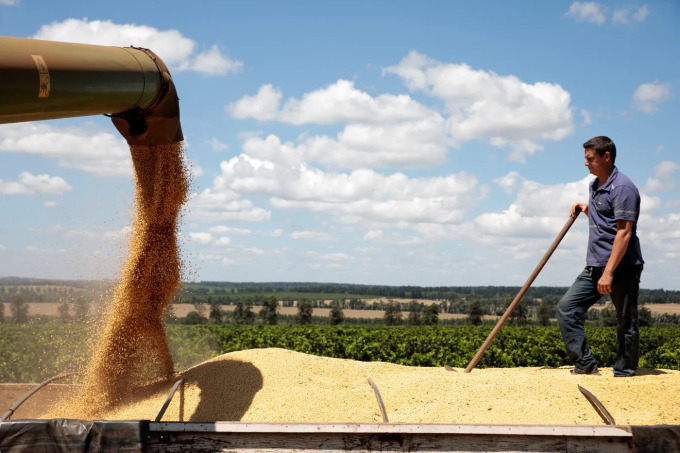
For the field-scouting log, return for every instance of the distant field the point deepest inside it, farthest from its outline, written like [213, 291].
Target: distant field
[657, 309]
[41, 308]
[181, 310]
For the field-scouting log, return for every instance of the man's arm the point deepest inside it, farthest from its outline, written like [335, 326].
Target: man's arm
[623, 234]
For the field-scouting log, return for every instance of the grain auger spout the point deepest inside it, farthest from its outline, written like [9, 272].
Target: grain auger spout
[42, 80]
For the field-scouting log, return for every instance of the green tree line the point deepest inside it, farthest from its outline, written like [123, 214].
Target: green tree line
[225, 293]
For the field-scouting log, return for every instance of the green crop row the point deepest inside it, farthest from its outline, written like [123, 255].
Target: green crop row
[437, 345]
[33, 352]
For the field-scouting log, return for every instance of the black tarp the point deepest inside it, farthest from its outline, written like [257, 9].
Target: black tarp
[656, 438]
[70, 436]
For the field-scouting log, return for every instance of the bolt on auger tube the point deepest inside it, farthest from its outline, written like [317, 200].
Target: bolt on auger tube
[42, 80]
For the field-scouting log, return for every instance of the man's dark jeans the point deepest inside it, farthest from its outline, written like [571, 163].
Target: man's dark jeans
[571, 312]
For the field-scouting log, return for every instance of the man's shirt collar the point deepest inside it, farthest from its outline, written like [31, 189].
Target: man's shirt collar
[608, 185]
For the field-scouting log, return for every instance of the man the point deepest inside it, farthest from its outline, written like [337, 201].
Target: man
[613, 263]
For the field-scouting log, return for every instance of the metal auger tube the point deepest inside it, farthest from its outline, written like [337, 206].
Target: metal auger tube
[44, 80]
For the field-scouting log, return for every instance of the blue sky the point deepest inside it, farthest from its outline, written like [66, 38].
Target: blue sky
[382, 142]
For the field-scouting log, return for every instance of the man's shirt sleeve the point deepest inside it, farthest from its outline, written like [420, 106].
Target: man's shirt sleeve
[626, 203]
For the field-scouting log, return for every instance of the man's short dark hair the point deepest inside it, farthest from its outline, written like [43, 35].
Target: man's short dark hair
[602, 145]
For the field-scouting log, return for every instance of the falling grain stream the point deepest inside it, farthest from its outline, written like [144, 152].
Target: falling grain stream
[132, 351]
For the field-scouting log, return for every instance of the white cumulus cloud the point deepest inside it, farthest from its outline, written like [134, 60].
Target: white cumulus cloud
[663, 180]
[662, 239]
[176, 50]
[360, 146]
[587, 12]
[234, 231]
[484, 105]
[263, 106]
[532, 220]
[373, 235]
[222, 241]
[219, 205]
[223, 229]
[212, 62]
[537, 210]
[630, 14]
[311, 236]
[360, 195]
[648, 96]
[123, 233]
[340, 102]
[218, 146]
[396, 131]
[335, 257]
[201, 237]
[512, 223]
[29, 184]
[380, 131]
[83, 147]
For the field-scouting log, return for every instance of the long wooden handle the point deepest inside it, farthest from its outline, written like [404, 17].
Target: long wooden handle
[519, 295]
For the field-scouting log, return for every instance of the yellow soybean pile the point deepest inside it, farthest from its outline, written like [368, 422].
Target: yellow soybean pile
[276, 385]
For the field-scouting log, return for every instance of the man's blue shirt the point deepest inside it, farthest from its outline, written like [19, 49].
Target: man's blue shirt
[617, 199]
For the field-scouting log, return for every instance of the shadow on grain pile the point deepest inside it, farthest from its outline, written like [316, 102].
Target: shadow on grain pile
[226, 389]
[215, 390]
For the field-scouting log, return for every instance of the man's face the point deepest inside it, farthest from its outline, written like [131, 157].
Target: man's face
[598, 165]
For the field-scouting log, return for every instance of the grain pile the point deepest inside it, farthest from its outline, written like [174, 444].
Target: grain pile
[132, 351]
[276, 385]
